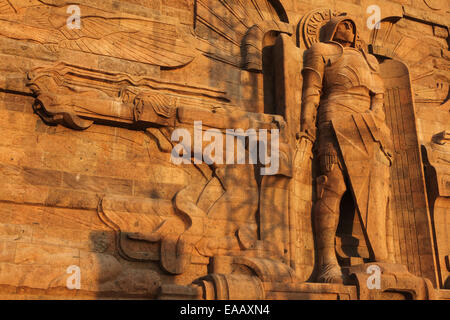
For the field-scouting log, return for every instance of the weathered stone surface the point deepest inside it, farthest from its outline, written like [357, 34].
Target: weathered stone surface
[89, 116]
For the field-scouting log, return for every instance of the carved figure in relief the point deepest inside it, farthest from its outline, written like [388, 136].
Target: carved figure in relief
[342, 102]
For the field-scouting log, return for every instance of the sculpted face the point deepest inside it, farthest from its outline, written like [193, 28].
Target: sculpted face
[345, 34]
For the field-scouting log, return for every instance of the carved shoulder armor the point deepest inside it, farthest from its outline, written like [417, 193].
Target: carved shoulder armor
[320, 55]
[373, 62]
[377, 84]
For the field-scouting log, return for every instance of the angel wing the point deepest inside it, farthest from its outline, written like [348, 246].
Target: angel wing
[117, 35]
[410, 214]
[6, 7]
[232, 31]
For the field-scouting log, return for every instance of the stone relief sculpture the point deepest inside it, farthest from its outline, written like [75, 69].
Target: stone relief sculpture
[350, 192]
[352, 139]
[436, 158]
[114, 34]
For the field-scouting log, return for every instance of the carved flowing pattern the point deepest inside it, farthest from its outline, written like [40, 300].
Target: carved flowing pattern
[229, 30]
[413, 245]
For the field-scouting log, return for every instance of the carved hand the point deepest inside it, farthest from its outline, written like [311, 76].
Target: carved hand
[308, 126]
[308, 121]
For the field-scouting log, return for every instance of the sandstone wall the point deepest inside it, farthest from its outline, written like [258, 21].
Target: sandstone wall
[53, 177]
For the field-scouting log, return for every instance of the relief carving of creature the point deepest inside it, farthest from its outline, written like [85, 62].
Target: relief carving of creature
[201, 221]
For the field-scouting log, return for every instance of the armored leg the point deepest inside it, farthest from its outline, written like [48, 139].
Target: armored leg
[331, 187]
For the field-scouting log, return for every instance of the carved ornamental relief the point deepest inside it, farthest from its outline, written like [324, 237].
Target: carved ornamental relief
[263, 231]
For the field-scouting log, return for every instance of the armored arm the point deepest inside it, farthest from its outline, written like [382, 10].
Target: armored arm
[377, 103]
[313, 70]
[377, 110]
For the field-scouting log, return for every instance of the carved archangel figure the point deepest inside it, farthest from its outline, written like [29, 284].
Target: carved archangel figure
[343, 96]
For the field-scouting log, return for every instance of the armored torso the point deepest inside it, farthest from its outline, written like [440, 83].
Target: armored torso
[350, 71]
[349, 81]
